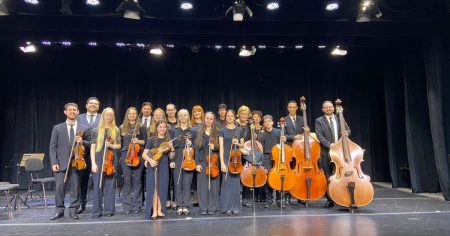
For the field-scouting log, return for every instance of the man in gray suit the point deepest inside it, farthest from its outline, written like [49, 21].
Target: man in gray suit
[327, 129]
[91, 120]
[64, 135]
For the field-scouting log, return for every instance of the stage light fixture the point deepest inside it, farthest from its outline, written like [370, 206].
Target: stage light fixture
[65, 7]
[131, 9]
[33, 2]
[92, 44]
[66, 43]
[93, 2]
[247, 51]
[218, 47]
[338, 52]
[272, 4]
[46, 43]
[3, 9]
[367, 9]
[186, 4]
[262, 46]
[321, 46]
[28, 48]
[331, 5]
[239, 8]
[140, 45]
[298, 46]
[157, 50]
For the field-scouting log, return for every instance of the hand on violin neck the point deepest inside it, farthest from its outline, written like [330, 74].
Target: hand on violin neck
[283, 138]
[135, 140]
[198, 168]
[211, 145]
[235, 141]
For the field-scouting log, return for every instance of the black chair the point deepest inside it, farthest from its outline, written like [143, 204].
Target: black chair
[33, 166]
[7, 187]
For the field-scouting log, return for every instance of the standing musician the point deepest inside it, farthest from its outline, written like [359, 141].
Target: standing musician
[257, 118]
[132, 134]
[328, 132]
[294, 129]
[229, 199]
[222, 111]
[91, 119]
[182, 179]
[157, 176]
[207, 138]
[146, 111]
[197, 116]
[64, 136]
[158, 115]
[171, 111]
[107, 135]
[242, 121]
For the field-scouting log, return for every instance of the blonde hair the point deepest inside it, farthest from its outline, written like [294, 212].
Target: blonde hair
[125, 127]
[153, 123]
[178, 117]
[243, 108]
[195, 109]
[113, 130]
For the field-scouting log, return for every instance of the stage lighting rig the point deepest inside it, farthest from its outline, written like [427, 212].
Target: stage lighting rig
[131, 9]
[239, 8]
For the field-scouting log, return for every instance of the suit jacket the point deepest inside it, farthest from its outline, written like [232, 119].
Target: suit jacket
[290, 131]
[83, 120]
[323, 131]
[60, 146]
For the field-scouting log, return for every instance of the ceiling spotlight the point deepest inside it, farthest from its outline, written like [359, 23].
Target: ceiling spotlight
[331, 5]
[28, 48]
[231, 46]
[3, 9]
[262, 46]
[65, 7]
[298, 46]
[321, 46]
[92, 44]
[338, 52]
[46, 43]
[170, 45]
[34, 2]
[239, 8]
[156, 50]
[131, 9]
[66, 43]
[366, 4]
[368, 8]
[247, 51]
[186, 4]
[93, 2]
[140, 45]
[218, 47]
[272, 4]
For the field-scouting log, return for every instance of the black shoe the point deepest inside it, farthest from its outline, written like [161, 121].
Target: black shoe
[301, 202]
[80, 209]
[137, 211]
[329, 204]
[279, 205]
[96, 216]
[154, 217]
[267, 204]
[162, 217]
[236, 213]
[109, 215]
[57, 215]
[203, 213]
[74, 215]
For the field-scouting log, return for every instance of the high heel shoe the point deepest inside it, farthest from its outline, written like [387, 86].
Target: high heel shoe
[186, 211]
[154, 217]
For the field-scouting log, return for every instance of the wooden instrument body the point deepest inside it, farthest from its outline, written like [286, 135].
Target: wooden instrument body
[133, 155]
[281, 173]
[78, 162]
[108, 166]
[188, 163]
[212, 169]
[235, 164]
[247, 175]
[311, 183]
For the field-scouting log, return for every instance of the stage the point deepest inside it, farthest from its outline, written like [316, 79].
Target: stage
[392, 212]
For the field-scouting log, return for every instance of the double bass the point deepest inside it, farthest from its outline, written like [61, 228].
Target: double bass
[252, 174]
[133, 150]
[311, 183]
[349, 186]
[281, 176]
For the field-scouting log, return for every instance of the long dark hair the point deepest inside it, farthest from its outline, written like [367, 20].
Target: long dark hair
[166, 136]
[198, 142]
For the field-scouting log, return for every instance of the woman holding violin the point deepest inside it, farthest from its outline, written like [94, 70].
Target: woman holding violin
[105, 142]
[133, 141]
[230, 140]
[158, 150]
[208, 180]
[182, 177]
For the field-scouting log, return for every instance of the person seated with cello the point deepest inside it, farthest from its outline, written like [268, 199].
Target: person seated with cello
[230, 140]
[206, 152]
[133, 140]
[158, 150]
[105, 142]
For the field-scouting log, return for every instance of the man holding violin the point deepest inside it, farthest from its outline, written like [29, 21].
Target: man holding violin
[64, 137]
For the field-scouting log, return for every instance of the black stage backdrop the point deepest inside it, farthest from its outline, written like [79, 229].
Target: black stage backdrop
[386, 94]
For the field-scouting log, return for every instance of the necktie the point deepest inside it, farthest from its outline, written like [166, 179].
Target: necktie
[71, 134]
[91, 119]
[333, 135]
[146, 123]
[293, 121]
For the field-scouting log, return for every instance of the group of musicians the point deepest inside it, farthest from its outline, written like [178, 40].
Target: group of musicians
[164, 137]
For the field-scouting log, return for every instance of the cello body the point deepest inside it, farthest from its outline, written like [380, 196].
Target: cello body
[253, 175]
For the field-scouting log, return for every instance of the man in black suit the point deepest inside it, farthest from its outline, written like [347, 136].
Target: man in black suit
[91, 120]
[293, 129]
[64, 135]
[328, 132]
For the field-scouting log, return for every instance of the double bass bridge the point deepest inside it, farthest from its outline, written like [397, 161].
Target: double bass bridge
[348, 173]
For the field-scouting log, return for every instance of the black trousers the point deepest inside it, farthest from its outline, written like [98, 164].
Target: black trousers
[73, 178]
[328, 168]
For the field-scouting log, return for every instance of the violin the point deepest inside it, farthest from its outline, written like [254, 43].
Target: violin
[253, 175]
[188, 163]
[156, 153]
[211, 160]
[133, 150]
[234, 160]
[311, 183]
[349, 186]
[78, 162]
[281, 177]
[108, 166]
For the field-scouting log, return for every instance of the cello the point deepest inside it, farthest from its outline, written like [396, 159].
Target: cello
[253, 175]
[349, 186]
[311, 183]
[133, 150]
[281, 177]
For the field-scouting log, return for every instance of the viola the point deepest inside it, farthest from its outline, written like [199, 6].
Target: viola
[349, 186]
[234, 163]
[133, 150]
[188, 163]
[78, 162]
[253, 175]
[281, 176]
[211, 159]
[311, 183]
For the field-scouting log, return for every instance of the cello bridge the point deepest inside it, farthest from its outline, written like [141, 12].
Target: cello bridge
[348, 173]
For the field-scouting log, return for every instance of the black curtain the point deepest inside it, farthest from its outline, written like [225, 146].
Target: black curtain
[39, 85]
